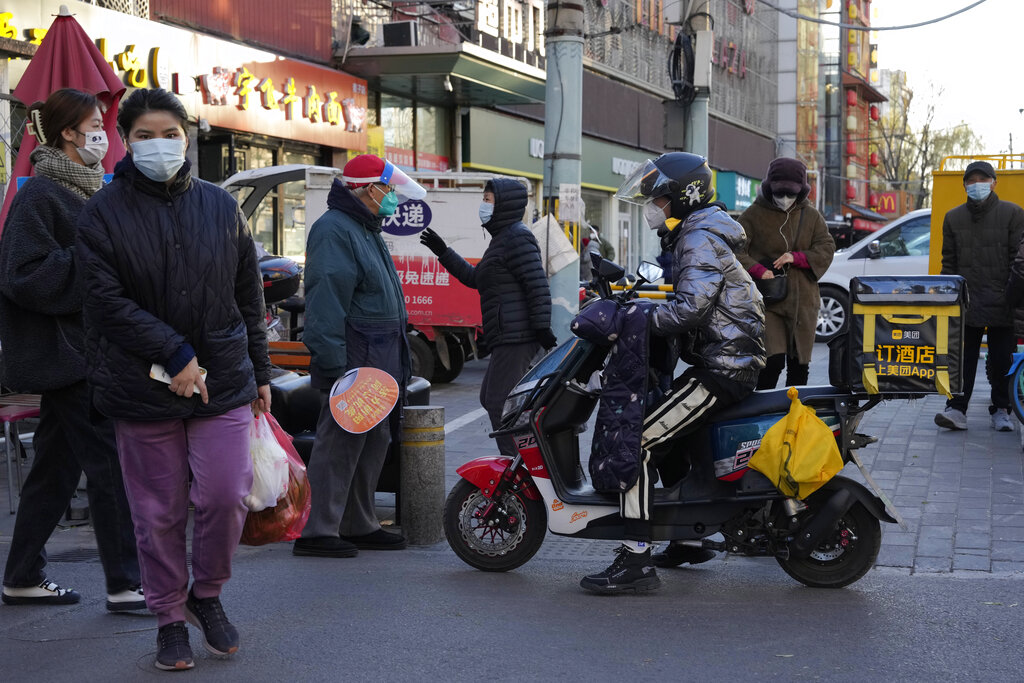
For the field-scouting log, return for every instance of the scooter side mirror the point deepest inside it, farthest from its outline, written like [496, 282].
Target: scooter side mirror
[649, 272]
[610, 271]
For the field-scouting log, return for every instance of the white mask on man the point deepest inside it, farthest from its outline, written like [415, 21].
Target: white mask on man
[654, 215]
[784, 202]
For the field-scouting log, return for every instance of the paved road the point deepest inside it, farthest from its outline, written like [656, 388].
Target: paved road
[943, 604]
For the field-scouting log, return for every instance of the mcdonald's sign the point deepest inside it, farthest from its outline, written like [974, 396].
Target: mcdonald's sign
[888, 202]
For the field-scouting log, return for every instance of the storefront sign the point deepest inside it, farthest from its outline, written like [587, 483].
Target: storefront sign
[230, 85]
[518, 21]
[537, 148]
[624, 167]
[734, 190]
[888, 202]
[410, 160]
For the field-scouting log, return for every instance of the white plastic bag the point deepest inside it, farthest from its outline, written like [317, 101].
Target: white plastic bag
[269, 467]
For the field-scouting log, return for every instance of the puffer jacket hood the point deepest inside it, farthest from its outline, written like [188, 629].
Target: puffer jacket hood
[717, 312]
[510, 199]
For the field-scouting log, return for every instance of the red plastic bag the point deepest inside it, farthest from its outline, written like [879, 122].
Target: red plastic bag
[284, 521]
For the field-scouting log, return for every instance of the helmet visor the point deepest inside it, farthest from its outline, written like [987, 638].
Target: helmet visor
[644, 184]
[405, 187]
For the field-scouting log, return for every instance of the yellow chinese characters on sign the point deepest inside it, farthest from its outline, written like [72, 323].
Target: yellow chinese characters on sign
[905, 360]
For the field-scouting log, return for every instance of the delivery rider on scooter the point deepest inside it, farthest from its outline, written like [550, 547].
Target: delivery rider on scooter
[717, 315]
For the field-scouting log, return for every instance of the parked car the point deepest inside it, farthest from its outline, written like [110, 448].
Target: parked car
[899, 248]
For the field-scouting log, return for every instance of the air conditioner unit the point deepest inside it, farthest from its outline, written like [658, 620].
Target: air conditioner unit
[400, 34]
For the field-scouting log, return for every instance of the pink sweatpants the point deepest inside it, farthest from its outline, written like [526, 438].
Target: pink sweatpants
[155, 459]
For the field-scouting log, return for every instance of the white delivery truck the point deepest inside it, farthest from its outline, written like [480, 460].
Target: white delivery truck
[444, 315]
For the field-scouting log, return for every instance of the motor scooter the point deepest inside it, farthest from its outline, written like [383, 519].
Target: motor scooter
[496, 515]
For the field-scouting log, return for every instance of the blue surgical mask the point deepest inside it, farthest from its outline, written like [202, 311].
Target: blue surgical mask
[979, 192]
[159, 159]
[486, 210]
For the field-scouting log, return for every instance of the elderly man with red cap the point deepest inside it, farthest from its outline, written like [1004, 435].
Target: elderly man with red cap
[355, 317]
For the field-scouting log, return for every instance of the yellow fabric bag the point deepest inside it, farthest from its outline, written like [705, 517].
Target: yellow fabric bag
[799, 452]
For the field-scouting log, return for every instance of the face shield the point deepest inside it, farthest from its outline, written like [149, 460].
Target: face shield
[646, 183]
[405, 187]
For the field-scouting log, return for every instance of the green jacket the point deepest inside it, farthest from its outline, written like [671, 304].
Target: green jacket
[351, 283]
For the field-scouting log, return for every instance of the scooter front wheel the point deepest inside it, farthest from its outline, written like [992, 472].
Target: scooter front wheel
[843, 556]
[504, 538]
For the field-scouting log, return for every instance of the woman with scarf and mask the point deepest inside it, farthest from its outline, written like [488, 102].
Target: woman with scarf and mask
[787, 237]
[515, 300]
[171, 272]
[41, 330]
[355, 317]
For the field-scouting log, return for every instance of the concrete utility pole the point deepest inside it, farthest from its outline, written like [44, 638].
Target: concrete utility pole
[563, 143]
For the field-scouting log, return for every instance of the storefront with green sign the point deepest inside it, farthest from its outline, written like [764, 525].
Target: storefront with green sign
[735, 190]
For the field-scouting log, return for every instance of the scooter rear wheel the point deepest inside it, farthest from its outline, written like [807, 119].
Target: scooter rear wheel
[844, 556]
[500, 542]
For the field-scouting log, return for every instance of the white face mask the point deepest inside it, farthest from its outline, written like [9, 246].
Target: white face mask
[654, 215]
[784, 202]
[486, 210]
[159, 159]
[95, 146]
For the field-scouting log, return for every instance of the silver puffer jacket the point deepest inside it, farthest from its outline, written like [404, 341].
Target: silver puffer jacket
[717, 313]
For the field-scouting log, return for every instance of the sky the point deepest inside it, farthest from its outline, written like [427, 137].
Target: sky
[976, 58]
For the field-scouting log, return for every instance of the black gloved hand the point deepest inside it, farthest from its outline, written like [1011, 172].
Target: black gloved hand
[432, 241]
[546, 338]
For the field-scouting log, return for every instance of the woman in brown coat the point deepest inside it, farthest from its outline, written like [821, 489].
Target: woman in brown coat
[787, 236]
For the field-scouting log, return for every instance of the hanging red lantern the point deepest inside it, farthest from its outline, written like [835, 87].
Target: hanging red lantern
[851, 148]
[851, 191]
[874, 112]
[873, 201]
[851, 97]
[874, 158]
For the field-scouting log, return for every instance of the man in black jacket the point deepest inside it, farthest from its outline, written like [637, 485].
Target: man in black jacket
[514, 297]
[979, 240]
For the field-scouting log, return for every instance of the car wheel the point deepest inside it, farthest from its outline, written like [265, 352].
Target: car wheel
[833, 314]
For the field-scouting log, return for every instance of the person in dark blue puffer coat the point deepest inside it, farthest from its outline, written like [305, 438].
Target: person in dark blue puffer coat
[515, 301]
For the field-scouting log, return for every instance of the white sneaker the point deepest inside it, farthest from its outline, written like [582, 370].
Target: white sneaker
[126, 601]
[46, 593]
[1001, 421]
[951, 418]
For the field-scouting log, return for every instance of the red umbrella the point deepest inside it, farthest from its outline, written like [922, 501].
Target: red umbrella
[67, 58]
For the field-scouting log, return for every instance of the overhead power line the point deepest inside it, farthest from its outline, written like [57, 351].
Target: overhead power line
[859, 27]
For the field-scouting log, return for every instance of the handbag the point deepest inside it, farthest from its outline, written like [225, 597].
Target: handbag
[773, 290]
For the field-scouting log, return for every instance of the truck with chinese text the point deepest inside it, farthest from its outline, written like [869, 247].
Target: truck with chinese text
[444, 315]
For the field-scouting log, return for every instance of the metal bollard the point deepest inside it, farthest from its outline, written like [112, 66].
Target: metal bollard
[421, 478]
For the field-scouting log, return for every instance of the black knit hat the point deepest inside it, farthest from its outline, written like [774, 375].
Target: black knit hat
[980, 167]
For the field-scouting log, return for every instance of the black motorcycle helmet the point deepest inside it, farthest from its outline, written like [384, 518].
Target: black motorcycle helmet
[682, 177]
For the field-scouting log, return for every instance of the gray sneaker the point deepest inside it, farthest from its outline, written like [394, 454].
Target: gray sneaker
[1001, 421]
[951, 418]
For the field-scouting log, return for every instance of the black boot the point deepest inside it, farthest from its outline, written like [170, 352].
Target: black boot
[677, 553]
[629, 572]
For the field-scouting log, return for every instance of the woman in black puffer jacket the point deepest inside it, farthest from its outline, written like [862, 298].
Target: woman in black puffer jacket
[172, 279]
[515, 301]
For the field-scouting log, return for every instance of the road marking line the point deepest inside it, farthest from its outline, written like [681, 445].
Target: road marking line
[460, 422]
